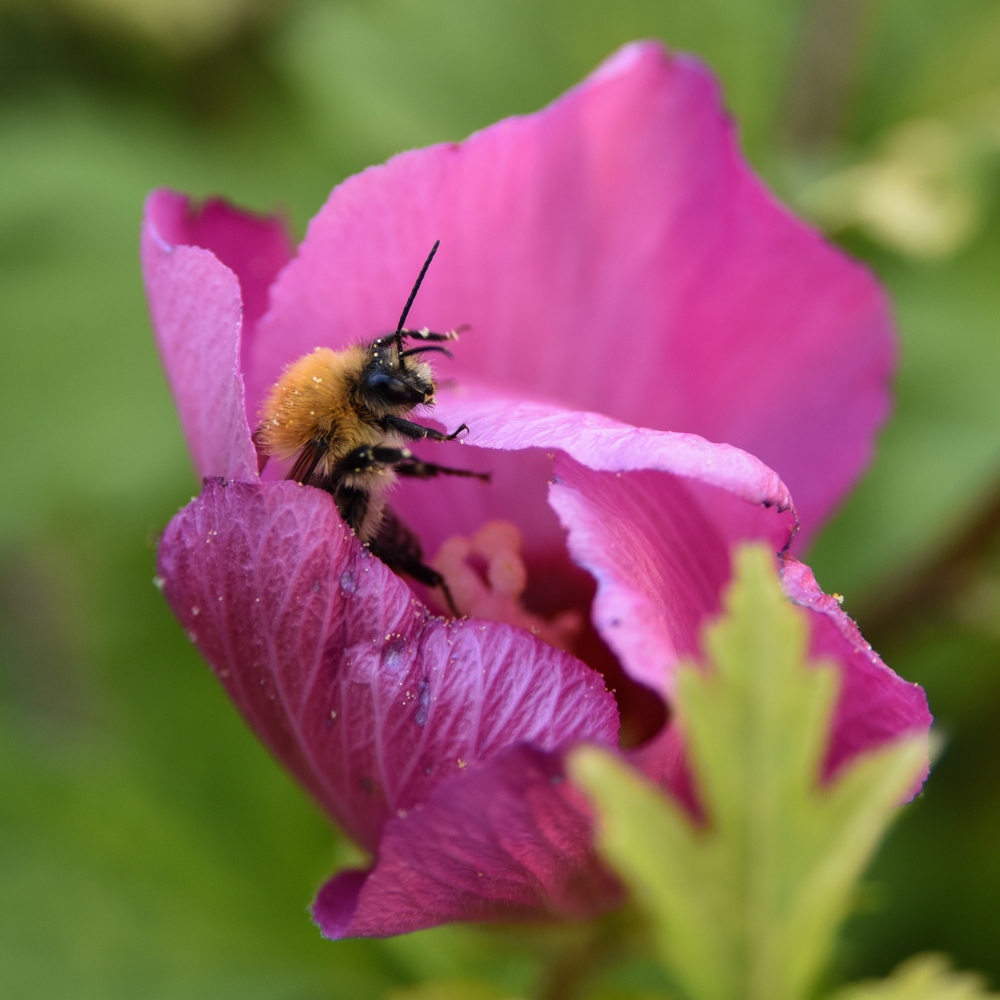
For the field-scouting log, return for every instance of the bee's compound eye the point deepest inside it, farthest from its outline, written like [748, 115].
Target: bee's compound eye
[392, 389]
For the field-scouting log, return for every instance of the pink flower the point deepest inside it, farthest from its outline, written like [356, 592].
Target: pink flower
[634, 295]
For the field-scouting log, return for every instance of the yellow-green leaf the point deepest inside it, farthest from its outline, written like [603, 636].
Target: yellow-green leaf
[746, 907]
[923, 977]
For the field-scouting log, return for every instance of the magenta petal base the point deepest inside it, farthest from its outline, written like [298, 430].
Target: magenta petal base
[380, 709]
[507, 841]
[337, 902]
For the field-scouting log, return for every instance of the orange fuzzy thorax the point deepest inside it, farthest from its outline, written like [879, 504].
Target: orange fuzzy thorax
[313, 399]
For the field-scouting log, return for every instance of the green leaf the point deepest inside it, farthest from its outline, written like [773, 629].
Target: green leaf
[746, 906]
[923, 977]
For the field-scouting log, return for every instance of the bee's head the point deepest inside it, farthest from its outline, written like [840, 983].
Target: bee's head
[394, 380]
[392, 384]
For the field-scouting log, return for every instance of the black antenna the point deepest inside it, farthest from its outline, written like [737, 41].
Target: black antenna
[416, 287]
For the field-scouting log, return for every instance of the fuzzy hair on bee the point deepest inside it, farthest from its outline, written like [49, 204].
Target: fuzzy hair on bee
[342, 415]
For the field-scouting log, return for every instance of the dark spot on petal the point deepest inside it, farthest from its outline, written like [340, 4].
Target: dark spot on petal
[367, 785]
[347, 582]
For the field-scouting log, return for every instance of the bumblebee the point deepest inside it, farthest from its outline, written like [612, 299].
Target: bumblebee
[342, 415]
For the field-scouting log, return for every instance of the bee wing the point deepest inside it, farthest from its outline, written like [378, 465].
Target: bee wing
[305, 465]
[259, 447]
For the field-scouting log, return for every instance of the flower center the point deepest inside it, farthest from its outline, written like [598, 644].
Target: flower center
[490, 579]
[487, 578]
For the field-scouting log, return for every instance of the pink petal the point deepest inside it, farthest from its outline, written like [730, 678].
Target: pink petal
[612, 253]
[616, 485]
[875, 705]
[367, 699]
[254, 247]
[337, 902]
[652, 516]
[661, 565]
[507, 422]
[660, 557]
[507, 841]
[207, 274]
[516, 440]
[664, 760]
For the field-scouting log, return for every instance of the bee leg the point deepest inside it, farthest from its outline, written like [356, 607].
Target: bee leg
[355, 461]
[416, 432]
[428, 470]
[403, 461]
[352, 505]
[400, 550]
[426, 334]
[363, 458]
[430, 578]
[393, 543]
[424, 350]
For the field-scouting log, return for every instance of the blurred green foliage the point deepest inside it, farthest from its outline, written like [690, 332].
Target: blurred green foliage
[148, 846]
[925, 977]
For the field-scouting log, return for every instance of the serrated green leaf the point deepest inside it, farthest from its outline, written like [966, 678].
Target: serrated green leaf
[923, 977]
[746, 906]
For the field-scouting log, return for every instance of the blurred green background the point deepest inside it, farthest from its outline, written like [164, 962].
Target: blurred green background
[148, 846]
